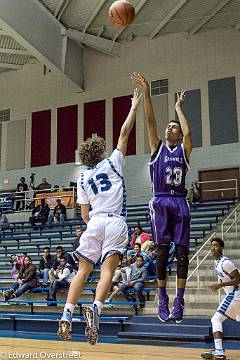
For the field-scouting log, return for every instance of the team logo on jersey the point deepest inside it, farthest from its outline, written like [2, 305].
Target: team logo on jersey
[177, 159]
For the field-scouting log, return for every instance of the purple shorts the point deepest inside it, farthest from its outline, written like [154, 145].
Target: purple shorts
[170, 220]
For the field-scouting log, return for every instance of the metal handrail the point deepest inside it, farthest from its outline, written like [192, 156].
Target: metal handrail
[234, 212]
[196, 255]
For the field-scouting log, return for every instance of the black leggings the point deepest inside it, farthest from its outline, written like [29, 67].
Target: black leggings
[162, 261]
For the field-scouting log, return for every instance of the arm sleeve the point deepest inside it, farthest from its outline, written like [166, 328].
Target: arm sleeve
[31, 274]
[229, 266]
[82, 197]
[117, 159]
[64, 274]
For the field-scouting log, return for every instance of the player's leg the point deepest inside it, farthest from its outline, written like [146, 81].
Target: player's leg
[182, 271]
[75, 290]
[92, 314]
[161, 236]
[163, 300]
[217, 328]
[181, 237]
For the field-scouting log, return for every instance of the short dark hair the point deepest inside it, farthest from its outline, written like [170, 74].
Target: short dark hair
[177, 122]
[139, 245]
[140, 256]
[46, 248]
[139, 227]
[59, 248]
[218, 240]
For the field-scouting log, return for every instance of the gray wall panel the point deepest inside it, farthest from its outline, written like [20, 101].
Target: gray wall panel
[16, 139]
[223, 111]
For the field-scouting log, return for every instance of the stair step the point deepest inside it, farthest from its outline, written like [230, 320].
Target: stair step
[162, 336]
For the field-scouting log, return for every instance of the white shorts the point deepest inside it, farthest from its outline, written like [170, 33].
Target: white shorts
[230, 307]
[104, 236]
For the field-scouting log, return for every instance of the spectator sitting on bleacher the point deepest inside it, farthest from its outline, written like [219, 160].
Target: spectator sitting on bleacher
[139, 237]
[45, 264]
[63, 278]
[26, 280]
[16, 262]
[194, 193]
[78, 232]
[148, 263]
[136, 280]
[43, 186]
[61, 253]
[4, 224]
[40, 214]
[22, 186]
[59, 214]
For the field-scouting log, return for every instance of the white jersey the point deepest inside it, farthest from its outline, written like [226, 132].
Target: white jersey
[103, 187]
[224, 267]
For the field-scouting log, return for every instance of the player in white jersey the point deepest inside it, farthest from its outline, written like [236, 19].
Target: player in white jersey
[229, 280]
[102, 197]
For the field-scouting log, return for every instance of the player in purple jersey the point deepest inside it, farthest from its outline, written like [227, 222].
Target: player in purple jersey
[170, 215]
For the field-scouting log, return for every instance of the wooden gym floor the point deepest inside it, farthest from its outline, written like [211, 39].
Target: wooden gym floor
[11, 348]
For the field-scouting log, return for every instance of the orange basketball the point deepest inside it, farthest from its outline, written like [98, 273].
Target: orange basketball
[121, 13]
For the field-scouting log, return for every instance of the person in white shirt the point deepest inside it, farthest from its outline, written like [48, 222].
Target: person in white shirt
[229, 280]
[102, 197]
[64, 276]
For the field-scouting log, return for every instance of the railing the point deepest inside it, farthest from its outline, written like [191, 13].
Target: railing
[197, 255]
[29, 197]
[234, 222]
[222, 189]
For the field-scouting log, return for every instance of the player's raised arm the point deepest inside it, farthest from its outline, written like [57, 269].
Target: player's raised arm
[129, 122]
[187, 137]
[151, 120]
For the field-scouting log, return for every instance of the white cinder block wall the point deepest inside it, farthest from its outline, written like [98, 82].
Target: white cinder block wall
[187, 61]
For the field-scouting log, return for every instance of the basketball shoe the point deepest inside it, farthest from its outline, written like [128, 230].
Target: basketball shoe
[163, 311]
[65, 326]
[214, 355]
[92, 324]
[177, 312]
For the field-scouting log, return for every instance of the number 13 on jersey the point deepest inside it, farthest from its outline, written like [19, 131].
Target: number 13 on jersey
[99, 183]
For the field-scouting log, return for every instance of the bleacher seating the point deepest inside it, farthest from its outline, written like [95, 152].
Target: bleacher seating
[21, 237]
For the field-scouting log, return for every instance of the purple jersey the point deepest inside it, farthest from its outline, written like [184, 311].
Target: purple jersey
[168, 170]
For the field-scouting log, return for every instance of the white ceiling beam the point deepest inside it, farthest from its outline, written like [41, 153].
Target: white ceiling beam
[14, 51]
[138, 7]
[98, 43]
[208, 17]
[10, 66]
[39, 32]
[93, 15]
[63, 6]
[165, 20]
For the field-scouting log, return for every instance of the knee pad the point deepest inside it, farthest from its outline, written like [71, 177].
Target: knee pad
[162, 261]
[217, 321]
[182, 261]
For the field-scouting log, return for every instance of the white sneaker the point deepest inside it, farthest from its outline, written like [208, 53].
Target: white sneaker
[214, 355]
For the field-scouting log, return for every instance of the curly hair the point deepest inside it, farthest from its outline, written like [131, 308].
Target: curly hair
[92, 151]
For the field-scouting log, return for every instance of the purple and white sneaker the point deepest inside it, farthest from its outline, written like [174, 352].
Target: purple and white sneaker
[163, 311]
[177, 312]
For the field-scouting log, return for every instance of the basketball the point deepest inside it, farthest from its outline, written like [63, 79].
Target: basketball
[121, 13]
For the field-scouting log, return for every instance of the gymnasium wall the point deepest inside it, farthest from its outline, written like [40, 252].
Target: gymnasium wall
[196, 63]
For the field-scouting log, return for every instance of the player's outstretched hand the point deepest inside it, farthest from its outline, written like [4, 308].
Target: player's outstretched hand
[139, 80]
[180, 98]
[136, 98]
[215, 286]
